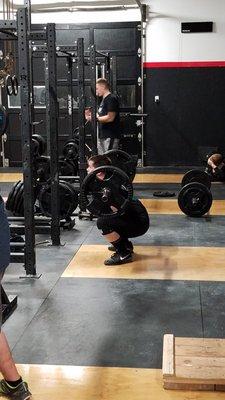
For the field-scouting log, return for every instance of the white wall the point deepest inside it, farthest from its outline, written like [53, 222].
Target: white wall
[86, 17]
[165, 42]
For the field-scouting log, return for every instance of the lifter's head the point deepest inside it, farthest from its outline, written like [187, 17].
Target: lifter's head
[97, 161]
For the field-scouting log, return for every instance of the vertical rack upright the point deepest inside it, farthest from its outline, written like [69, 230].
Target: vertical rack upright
[81, 108]
[70, 96]
[93, 97]
[52, 113]
[26, 135]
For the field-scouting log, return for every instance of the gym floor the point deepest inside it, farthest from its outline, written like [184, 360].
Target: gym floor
[88, 332]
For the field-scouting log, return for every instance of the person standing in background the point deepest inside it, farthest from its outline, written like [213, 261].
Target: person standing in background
[108, 117]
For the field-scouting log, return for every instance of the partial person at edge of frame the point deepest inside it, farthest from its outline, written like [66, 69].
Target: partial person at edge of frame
[108, 117]
[12, 385]
[216, 166]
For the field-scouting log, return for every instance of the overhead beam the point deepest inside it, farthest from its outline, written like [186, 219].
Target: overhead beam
[85, 5]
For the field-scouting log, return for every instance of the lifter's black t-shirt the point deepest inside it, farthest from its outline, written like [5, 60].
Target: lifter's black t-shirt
[110, 129]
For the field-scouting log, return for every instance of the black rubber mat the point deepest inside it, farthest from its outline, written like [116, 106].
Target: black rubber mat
[110, 322]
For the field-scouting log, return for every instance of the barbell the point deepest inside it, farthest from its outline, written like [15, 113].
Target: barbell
[195, 197]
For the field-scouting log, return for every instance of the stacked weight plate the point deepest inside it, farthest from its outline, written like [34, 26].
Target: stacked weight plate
[195, 197]
[14, 202]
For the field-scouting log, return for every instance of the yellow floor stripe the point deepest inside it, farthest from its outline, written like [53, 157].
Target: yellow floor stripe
[151, 262]
[10, 177]
[139, 178]
[158, 178]
[49, 382]
[170, 206]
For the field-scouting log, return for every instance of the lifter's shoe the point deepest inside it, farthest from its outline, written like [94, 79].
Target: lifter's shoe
[118, 259]
[129, 247]
[20, 392]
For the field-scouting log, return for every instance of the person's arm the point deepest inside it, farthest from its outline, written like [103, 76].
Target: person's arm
[107, 118]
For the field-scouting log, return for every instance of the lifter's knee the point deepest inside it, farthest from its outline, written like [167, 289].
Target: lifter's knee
[103, 225]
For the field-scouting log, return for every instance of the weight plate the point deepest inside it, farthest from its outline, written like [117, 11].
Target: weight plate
[35, 147]
[113, 190]
[195, 199]
[18, 195]
[196, 175]
[68, 199]
[15, 196]
[67, 167]
[42, 143]
[124, 161]
[70, 149]
[10, 199]
[42, 169]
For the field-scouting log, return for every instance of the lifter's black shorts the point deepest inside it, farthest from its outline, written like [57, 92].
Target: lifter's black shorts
[134, 222]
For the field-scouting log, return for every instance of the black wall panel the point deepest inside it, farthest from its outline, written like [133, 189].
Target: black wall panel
[115, 38]
[69, 36]
[38, 70]
[189, 116]
[126, 67]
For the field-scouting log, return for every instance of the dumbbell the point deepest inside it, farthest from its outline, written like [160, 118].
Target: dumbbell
[195, 198]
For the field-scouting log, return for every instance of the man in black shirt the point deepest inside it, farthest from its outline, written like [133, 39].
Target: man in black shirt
[108, 117]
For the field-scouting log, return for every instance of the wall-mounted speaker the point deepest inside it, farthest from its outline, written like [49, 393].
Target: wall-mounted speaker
[195, 27]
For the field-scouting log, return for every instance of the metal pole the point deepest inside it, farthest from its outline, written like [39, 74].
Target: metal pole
[113, 74]
[52, 111]
[143, 10]
[81, 108]
[93, 97]
[26, 134]
[27, 4]
[70, 96]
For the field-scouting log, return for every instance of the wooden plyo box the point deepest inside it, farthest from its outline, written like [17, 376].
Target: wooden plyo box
[193, 364]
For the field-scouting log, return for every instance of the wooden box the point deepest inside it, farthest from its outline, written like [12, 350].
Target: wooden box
[193, 364]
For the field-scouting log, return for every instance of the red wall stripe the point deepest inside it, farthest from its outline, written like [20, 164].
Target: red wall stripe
[184, 64]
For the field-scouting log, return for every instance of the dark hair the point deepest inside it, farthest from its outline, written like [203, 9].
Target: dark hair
[100, 160]
[104, 82]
